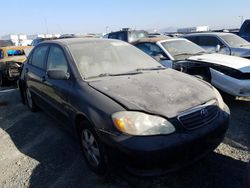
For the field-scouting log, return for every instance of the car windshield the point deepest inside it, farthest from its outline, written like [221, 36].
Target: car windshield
[235, 41]
[136, 35]
[106, 57]
[181, 49]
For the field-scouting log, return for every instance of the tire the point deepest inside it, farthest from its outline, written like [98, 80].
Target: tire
[2, 81]
[29, 100]
[93, 150]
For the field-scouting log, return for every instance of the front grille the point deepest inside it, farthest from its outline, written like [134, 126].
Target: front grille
[199, 116]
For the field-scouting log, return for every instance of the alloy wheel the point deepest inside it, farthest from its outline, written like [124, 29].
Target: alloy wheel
[90, 148]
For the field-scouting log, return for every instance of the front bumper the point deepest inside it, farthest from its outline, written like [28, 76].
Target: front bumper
[230, 85]
[149, 155]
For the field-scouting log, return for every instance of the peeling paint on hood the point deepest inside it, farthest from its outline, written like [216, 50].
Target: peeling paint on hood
[238, 63]
[166, 92]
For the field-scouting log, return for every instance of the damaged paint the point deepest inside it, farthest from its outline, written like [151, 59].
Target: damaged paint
[11, 58]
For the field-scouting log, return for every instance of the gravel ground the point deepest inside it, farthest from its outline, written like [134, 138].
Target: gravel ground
[35, 151]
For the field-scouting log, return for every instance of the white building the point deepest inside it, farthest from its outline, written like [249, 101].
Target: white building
[193, 29]
[32, 37]
[24, 40]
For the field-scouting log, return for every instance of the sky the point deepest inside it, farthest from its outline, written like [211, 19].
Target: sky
[81, 16]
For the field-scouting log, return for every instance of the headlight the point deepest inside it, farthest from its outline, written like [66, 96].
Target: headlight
[138, 123]
[219, 98]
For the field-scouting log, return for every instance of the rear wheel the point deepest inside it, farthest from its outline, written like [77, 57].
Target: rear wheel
[29, 100]
[93, 150]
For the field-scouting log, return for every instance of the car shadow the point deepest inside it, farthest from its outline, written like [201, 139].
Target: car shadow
[238, 134]
[215, 170]
[60, 162]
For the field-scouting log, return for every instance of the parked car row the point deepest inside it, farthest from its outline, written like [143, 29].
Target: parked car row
[123, 104]
[228, 74]
[11, 59]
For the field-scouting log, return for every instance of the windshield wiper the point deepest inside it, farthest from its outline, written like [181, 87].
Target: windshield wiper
[152, 68]
[119, 74]
[242, 45]
[200, 53]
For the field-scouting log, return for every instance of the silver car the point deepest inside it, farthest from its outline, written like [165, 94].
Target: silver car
[223, 43]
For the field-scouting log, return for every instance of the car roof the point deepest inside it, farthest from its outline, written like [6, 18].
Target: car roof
[71, 41]
[208, 34]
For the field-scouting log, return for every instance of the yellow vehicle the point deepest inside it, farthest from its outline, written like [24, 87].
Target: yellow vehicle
[11, 58]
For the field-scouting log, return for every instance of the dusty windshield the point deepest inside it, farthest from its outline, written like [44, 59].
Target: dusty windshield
[235, 41]
[109, 57]
[181, 49]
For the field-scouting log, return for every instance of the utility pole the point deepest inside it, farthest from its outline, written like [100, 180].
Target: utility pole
[107, 29]
[241, 20]
[46, 25]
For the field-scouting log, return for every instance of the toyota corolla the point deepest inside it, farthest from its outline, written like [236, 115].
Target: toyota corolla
[122, 103]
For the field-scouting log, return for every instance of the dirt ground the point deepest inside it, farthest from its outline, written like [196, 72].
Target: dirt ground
[35, 151]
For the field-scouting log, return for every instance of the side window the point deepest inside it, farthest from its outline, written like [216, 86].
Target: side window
[38, 57]
[208, 41]
[57, 59]
[144, 48]
[112, 36]
[193, 39]
[122, 36]
[247, 28]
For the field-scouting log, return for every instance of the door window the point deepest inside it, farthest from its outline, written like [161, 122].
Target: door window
[208, 41]
[39, 57]
[57, 59]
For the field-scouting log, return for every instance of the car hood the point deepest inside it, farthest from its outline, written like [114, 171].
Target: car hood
[166, 92]
[238, 63]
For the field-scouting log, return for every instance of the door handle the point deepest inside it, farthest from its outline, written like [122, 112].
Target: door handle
[43, 79]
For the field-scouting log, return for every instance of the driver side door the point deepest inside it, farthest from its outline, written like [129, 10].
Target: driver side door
[57, 90]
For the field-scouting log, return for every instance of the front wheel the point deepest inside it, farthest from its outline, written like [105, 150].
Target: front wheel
[93, 150]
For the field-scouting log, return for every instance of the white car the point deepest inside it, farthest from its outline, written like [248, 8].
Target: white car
[229, 74]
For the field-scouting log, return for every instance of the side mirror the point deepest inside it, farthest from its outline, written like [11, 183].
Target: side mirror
[159, 57]
[57, 74]
[217, 48]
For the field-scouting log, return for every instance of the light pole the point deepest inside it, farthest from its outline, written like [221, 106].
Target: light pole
[107, 29]
[241, 20]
